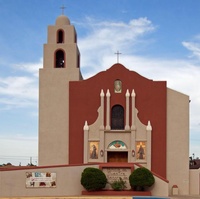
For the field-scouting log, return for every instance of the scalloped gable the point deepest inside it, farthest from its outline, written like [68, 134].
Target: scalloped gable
[119, 69]
[122, 69]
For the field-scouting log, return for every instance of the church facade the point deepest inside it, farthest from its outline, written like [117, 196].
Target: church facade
[116, 117]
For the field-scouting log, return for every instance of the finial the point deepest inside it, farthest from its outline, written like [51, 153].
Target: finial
[149, 127]
[118, 53]
[86, 127]
[127, 93]
[62, 8]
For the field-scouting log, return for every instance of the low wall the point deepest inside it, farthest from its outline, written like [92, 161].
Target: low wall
[65, 181]
[194, 181]
[160, 187]
[13, 182]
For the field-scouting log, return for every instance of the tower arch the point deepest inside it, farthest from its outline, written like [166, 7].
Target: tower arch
[60, 59]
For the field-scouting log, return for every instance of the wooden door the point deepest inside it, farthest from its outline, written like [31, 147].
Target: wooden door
[117, 156]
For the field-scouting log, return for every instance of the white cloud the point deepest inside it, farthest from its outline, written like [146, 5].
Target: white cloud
[105, 38]
[20, 91]
[32, 68]
[193, 46]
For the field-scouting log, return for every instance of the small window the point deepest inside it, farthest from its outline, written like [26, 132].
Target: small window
[60, 36]
[78, 60]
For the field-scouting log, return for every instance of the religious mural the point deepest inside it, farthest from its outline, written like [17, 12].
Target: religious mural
[38, 179]
[118, 86]
[117, 144]
[141, 150]
[94, 150]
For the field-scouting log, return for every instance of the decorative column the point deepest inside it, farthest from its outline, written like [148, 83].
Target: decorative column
[102, 110]
[108, 110]
[86, 137]
[127, 126]
[133, 127]
[101, 134]
[149, 130]
[102, 147]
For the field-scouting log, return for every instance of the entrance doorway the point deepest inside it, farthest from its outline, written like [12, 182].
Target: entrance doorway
[117, 156]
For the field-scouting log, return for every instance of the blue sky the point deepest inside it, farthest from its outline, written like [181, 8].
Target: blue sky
[158, 39]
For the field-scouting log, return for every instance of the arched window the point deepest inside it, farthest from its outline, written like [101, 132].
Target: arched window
[117, 117]
[60, 36]
[60, 59]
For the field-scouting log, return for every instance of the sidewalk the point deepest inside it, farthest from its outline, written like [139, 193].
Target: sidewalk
[185, 197]
[98, 197]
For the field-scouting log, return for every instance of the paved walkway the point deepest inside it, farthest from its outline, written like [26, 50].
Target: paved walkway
[185, 197]
[97, 197]
[72, 197]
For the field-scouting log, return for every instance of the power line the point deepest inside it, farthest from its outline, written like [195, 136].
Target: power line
[14, 159]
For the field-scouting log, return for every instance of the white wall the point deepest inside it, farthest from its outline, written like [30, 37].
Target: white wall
[12, 183]
[178, 141]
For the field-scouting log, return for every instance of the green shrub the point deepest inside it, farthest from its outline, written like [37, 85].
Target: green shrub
[141, 178]
[118, 185]
[93, 179]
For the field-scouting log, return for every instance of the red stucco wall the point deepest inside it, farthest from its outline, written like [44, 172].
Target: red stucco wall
[84, 100]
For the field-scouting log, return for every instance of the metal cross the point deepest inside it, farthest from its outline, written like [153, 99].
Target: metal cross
[62, 8]
[118, 53]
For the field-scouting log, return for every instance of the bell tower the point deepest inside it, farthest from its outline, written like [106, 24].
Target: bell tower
[61, 65]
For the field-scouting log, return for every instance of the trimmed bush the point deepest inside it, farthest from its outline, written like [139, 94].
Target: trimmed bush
[141, 178]
[93, 179]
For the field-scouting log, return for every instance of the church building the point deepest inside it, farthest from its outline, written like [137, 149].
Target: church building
[116, 117]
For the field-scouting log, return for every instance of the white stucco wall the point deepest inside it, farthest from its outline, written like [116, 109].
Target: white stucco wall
[13, 183]
[178, 141]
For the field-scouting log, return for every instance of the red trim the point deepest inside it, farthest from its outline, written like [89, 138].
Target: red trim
[117, 193]
[158, 176]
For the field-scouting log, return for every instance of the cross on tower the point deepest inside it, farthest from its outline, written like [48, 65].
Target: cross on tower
[62, 8]
[118, 53]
